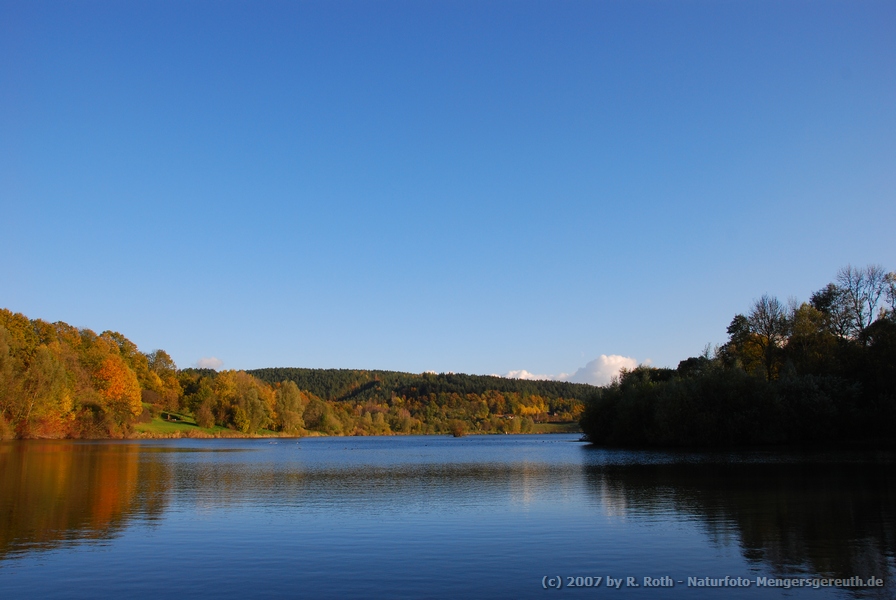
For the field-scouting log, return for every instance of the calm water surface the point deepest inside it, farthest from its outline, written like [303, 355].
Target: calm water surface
[433, 517]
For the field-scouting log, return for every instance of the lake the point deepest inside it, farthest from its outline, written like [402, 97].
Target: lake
[438, 517]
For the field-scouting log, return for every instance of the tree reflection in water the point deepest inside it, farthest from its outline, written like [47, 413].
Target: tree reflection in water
[830, 516]
[790, 514]
[56, 492]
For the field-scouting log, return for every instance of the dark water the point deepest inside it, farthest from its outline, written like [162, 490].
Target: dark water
[434, 517]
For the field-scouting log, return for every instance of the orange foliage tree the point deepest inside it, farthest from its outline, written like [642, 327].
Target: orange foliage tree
[118, 386]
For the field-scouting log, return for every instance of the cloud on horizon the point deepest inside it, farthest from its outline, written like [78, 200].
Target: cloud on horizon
[603, 369]
[210, 362]
[524, 374]
[599, 371]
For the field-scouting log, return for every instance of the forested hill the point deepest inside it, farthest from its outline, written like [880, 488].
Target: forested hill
[378, 386]
[61, 381]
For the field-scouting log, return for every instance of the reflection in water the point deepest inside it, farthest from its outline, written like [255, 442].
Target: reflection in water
[831, 517]
[53, 493]
[403, 488]
[323, 504]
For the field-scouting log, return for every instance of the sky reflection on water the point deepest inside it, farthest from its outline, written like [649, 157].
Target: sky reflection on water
[484, 516]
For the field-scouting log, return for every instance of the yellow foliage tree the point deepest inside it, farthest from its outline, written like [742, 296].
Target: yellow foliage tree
[118, 385]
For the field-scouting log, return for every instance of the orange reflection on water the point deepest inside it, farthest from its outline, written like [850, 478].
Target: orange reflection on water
[54, 492]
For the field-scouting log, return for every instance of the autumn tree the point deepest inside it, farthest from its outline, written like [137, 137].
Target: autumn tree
[34, 395]
[244, 402]
[130, 354]
[6, 383]
[812, 346]
[743, 349]
[119, 387]
[162, 382]
[289, 408]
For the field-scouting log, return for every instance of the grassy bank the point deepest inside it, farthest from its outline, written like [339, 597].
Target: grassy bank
[171, 424]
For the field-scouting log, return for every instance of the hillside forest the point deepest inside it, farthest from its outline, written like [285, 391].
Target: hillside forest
[59, 381]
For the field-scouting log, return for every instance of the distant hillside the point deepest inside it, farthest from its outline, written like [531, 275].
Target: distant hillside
[61, 381]
[377, 386]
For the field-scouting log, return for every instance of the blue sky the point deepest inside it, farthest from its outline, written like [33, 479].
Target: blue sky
[475, 187]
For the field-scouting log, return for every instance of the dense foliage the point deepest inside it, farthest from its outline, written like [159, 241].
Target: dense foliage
[817, 372]
[358, 402]
[59, 381]
[349, 384]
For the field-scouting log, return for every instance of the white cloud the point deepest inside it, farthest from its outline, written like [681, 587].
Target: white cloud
[210, 362]
[524, 374]
[603, 369]
[599, 371]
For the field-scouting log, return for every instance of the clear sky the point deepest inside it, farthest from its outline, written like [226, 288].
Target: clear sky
[469, 186]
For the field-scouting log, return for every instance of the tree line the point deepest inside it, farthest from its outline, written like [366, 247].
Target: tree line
[358, 402]
[812, 372]
[59, 381]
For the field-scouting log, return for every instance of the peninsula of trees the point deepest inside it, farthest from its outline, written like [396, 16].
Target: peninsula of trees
[58, 381]
[816, 372]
